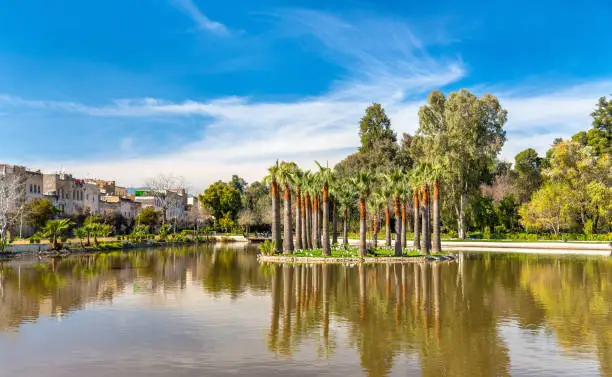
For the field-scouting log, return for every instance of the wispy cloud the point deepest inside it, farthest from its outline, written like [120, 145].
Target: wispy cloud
[244, 136]
[201, 20]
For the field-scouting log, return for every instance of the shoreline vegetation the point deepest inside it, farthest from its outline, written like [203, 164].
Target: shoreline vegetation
[443, 185]
[447, 178]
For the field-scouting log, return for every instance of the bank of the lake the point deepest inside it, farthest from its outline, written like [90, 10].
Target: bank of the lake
[531, 247]
[351, 260]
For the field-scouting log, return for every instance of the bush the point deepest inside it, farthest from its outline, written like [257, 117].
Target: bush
[487, 233]
[267, 248]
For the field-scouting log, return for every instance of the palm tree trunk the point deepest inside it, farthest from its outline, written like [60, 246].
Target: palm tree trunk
[398, 226]
[417, 220]
[375, 229]
[308, 221]
[298, 219]
[436, 244]
[304, 224]
[387, 226]
[403, 204]
[319, 223]
[362, 227]
[313, 229]
[276, 233]
[326, 248]
[334, 222]
[425, 221]
[345, 228]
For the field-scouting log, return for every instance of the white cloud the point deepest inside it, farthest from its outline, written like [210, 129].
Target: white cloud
[203, 22]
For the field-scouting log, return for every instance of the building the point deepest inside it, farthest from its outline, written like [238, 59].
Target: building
[174, 201]
[109, 204]
[33, 180]
[91, 198]
[109, 187]
[62, 190]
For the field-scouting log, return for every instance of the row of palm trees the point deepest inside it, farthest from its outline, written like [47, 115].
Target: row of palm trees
[318, 195]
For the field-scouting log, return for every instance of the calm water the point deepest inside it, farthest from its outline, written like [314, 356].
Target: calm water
[214, 311]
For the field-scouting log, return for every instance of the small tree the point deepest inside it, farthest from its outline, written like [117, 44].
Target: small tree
[11, 196]
[81, 234]
[54, 229]
[148, 216]
[140, 233]
[161, 188]
[164, 231]
[548, 209]
[39, 211]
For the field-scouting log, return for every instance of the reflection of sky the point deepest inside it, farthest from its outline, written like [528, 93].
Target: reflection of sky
[191, 332]
[178, 333]
[524, 344]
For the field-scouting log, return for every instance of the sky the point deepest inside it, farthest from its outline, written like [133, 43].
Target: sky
[205, 89]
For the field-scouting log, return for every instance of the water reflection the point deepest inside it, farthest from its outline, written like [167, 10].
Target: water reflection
[455, 319]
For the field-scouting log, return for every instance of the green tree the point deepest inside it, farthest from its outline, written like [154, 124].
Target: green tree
[394, 181]
[588, 176]
[272, 179]
[81, 234]
[548, 209]
[528, 173]
[507, 212]
[39, 211]
[326, 178]
[363, 184]
[463, 134]
[148, 216]
[221, 198]
[239, 183]
[600, 136]
[55, 229]
[285, 180]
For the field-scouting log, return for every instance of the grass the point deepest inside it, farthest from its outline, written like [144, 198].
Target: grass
[353, 252]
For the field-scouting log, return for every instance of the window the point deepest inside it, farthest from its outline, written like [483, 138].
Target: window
[30, 187]
[39, 189]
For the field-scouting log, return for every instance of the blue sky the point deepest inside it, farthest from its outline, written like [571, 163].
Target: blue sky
[202, 89]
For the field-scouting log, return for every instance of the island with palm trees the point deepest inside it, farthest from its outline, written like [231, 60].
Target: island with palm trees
[445, 178]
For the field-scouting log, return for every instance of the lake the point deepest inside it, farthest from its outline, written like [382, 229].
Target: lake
[214, 311]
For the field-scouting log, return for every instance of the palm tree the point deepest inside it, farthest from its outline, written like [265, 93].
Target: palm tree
[334, 192]
[298, 179]
[417, 217]
[436, 243]
[363, 183]
[426, 239]
[54, 229]
[404, 195]
[387, 192]
[375, 202]
[346, 197]
[81, 234]
[272, 180]
[285, 179]
[307, 210]
[394, 180]
[326, 178]
[314, 230]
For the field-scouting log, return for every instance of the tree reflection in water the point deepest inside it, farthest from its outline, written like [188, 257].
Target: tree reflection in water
[445, 316]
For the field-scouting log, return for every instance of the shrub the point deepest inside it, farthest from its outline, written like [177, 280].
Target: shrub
[487, 233]
[267, 248]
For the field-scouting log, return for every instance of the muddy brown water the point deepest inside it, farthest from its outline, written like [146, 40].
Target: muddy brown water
[214, 311]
